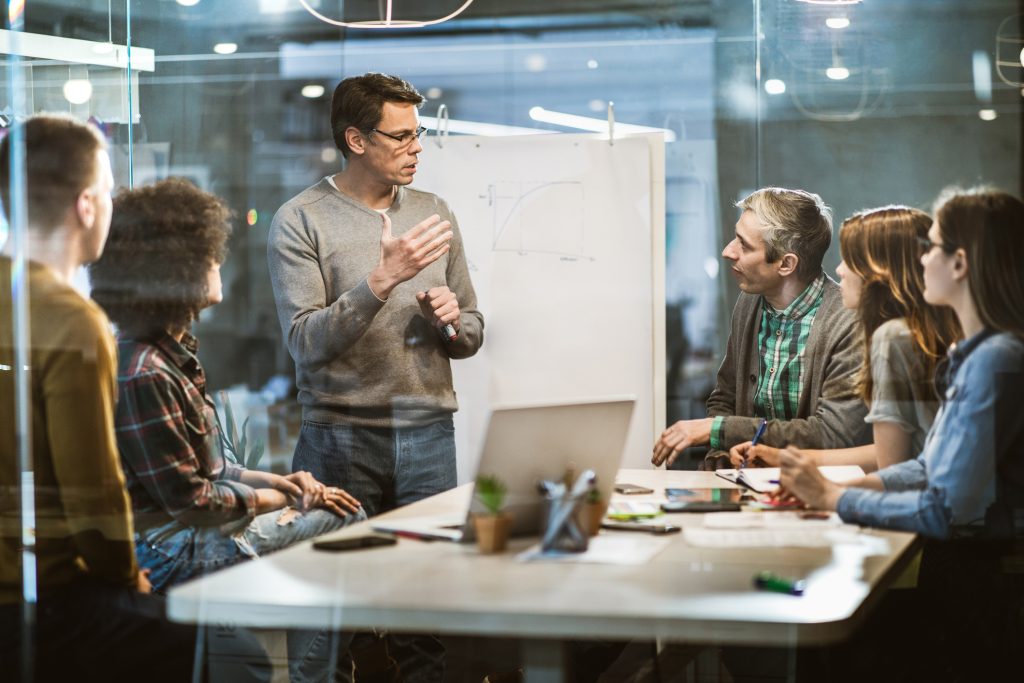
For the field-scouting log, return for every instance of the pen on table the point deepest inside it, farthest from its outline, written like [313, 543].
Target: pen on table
[757, 437]
[426, 538]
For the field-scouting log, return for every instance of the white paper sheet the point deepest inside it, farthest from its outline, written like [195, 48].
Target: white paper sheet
[628, 548]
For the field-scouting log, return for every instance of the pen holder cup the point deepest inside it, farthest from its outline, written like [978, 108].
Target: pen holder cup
[560, 527]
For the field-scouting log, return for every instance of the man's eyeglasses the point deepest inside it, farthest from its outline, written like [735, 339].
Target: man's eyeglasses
[926, 245]
[403, 139]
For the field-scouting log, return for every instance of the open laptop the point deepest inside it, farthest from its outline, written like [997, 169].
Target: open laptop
[527, 443]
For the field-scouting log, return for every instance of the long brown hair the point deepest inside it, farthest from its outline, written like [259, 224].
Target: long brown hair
[881, 247]
[989, 226]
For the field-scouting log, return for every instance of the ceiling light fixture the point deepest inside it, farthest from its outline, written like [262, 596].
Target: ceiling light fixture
[830, 2]
[987, 114]
[837, 22]
[478, 127]
[313, 91]
[774, 86]
[77, 91]
[594, 125]
[388, 21]
[837, 73]
[225, 48]
[188, 3]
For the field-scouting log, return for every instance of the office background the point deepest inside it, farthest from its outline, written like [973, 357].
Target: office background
[866, 103]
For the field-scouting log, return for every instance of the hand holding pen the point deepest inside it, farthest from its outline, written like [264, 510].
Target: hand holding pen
[750, 448]
[440, 306]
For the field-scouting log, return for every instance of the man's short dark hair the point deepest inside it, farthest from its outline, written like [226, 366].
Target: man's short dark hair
[358, 103]
[60, 162]
[164, 238]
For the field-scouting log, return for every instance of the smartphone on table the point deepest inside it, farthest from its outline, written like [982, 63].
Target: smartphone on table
[354, 543]
[631, 489]
[702, 500]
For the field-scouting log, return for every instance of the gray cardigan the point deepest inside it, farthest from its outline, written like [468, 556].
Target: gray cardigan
[830, 414]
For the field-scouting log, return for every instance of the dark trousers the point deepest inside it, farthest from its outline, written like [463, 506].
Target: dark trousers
[94, 631]
[384, 469]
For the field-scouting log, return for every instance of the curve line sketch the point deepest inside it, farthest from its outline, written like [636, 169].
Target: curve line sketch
[536, 217]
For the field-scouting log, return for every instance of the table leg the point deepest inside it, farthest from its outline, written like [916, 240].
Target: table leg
[543, 660]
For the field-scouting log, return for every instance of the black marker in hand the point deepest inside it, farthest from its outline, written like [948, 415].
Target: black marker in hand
[448, 330]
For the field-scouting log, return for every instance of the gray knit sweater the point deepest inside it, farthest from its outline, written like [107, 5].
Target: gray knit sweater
[359, 360]
[830, 413]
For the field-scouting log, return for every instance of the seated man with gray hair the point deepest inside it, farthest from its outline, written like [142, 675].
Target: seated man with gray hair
[793, 351]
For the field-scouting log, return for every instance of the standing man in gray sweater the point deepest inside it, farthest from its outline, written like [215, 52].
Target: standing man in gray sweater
[793, 352]
[374, 298]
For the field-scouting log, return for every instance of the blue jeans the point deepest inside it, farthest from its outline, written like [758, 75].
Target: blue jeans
[174, 555]
[385, 468]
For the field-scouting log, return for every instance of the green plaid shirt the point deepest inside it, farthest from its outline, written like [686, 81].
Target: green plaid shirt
[781, 340]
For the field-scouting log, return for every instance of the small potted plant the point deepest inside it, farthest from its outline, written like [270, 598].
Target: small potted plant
[591, 512]
[492, 526]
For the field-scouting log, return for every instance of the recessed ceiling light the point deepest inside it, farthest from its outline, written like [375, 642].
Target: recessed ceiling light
[434, 93]
[225, 48]
[188, 3]
[536, 63]
[592, 64]
[77, 91]
[313, 91]
[597, 105]
[837, 22]
[328, 155]
[987, 114]
[1022, 56]
[774, 86]
[837, 73]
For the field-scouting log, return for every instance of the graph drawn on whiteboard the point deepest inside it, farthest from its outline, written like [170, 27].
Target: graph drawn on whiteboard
[536, 217]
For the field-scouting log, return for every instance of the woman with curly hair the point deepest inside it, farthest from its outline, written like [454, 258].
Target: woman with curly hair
[881, 277]
[196, 509]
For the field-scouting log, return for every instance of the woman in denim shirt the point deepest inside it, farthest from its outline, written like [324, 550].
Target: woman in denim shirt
[972, 262]
[964, 622]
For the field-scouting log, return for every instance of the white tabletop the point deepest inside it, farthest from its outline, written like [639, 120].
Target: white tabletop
[684, 593]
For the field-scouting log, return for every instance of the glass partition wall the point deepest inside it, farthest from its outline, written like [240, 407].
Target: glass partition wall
[866, 103]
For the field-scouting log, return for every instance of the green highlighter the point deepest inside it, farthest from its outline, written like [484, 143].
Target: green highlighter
[768, 581]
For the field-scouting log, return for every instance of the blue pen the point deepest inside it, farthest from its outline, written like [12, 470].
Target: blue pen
[757, 437]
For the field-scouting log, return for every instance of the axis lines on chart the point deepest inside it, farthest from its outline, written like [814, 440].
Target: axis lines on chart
[538, 217]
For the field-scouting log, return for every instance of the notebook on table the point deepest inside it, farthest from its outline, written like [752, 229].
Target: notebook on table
[766, 479]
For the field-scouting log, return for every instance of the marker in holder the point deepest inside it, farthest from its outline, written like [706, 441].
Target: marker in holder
[449, 333]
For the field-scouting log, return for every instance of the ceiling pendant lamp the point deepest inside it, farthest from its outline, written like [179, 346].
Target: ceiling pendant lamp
[388, 21]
